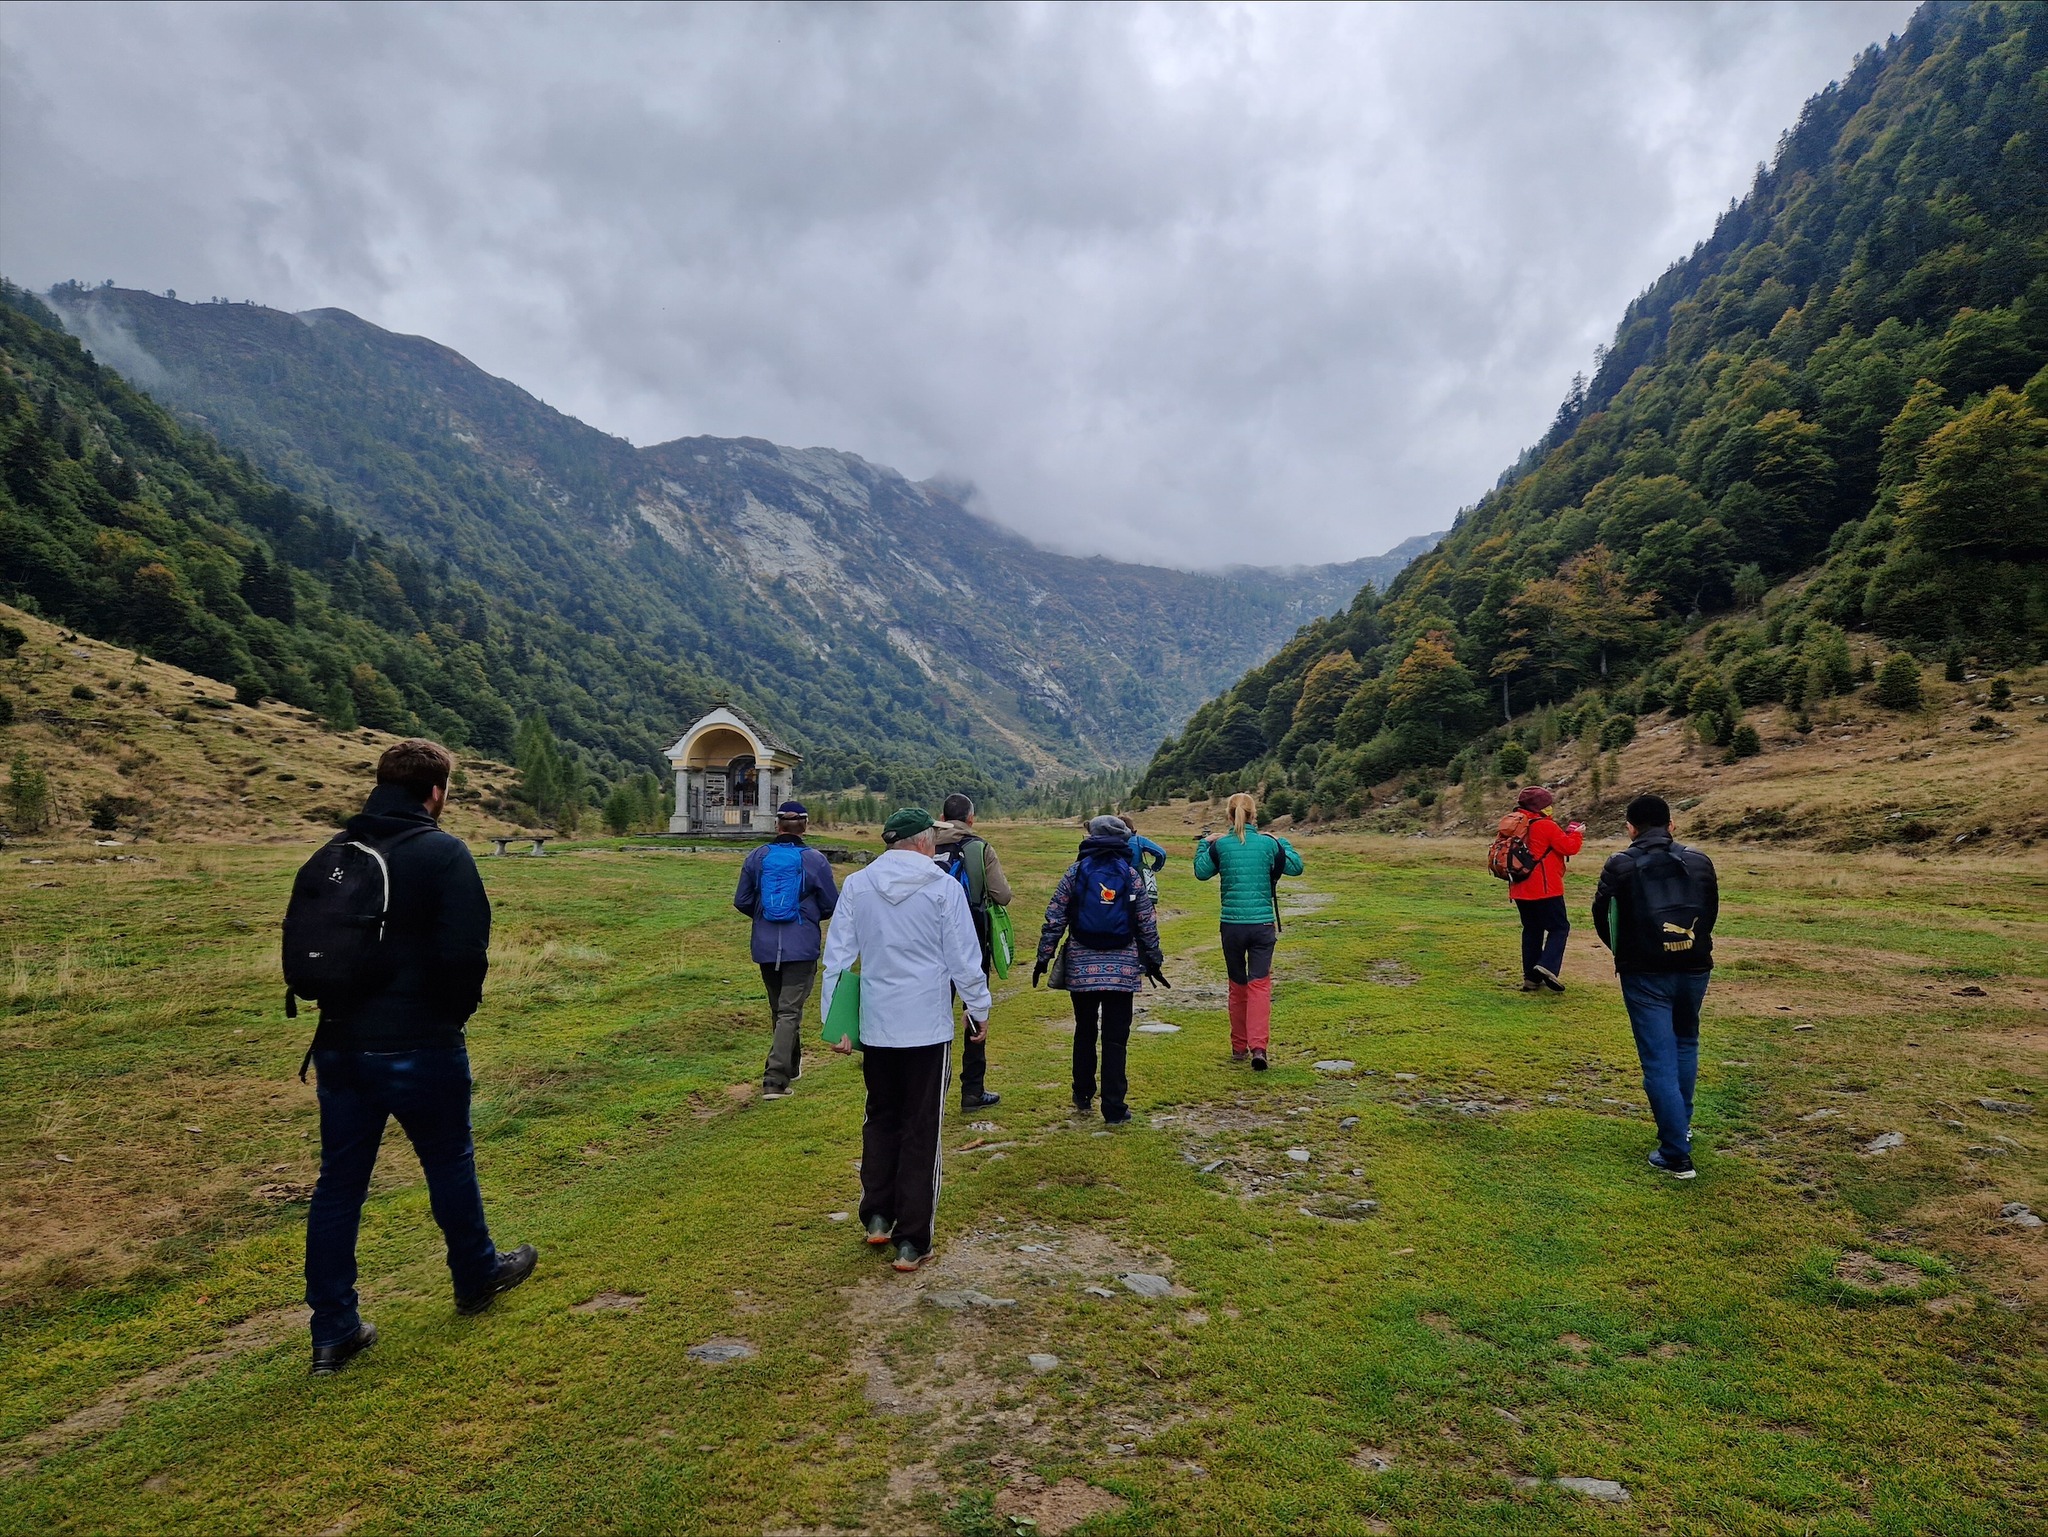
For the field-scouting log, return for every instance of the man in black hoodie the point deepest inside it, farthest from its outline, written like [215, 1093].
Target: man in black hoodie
[1655, 910]
[396, 1048]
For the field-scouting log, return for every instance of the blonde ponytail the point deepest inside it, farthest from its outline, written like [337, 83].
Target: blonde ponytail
[1244, 813]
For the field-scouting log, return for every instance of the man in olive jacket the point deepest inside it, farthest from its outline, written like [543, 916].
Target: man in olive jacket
[396, 1048]
[1655, 910]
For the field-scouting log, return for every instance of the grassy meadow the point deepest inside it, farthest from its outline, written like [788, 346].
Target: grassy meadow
[1471, 1288]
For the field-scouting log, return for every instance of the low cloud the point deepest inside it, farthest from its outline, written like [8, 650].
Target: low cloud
[1200, 285]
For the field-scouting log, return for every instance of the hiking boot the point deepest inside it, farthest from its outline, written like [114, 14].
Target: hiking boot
[1240, 1056]
[1531, 985]
[1084, 1106]
[909, 1256]
[1677, 1168]
[1258, 1059]
[878, 1230]
[1124, 1119]
[329, 1359]
[512, 1269]
[1549, 979]
[782, 1093]
[979, 1101]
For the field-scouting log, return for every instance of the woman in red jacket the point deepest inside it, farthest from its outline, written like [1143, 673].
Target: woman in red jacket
[1540, 898]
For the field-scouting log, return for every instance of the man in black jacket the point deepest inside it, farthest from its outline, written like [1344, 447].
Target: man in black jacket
[396, 1049]
[1655, 909]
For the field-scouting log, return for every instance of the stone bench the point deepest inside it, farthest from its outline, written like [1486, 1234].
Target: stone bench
[540, 846]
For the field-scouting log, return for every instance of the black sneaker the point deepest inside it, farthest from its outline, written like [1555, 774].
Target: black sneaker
[1677, 1168]
[1531, 985]
[1116, 1120]
[1549, 979]
[1084, 1106]
[329, 1359]
[512, 1269]
[980, 1101]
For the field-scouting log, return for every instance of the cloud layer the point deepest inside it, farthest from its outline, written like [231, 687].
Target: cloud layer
[1193, 285]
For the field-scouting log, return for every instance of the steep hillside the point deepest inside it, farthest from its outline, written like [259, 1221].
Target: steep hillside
[130, 750]
[1831, 418]
[852, 606]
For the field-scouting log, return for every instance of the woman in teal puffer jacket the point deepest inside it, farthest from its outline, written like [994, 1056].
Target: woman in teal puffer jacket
[1251, 864]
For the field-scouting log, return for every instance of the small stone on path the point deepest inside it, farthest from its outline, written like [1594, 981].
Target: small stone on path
[716, 1352]
[1042, 1363]
[2019, 1214]
[612, 1302]
[835, 1216]
[1212, 1166]
[959, 1301]
[1372, 1459]
[1347, 1123]
[1996, 1106]
[1336, 1065]
[1158, 1027]
[1099, 1291]
[1299, 1154]
[1596, 1489]
[1404, 1077]
[1146, 1285]
[1885, 1143]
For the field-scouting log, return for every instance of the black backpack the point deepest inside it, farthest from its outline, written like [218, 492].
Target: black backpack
[334, 925]
[1668, 897]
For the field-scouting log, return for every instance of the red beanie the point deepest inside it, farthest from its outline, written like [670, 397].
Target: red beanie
[1535, 798]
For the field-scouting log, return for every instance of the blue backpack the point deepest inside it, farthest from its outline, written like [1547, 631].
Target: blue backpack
[782, 883]
[1105, 895]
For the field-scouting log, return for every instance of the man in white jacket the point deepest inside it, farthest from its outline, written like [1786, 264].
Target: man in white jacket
[907, 923]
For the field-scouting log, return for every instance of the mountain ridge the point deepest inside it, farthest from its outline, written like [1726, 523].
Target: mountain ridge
[807, 563]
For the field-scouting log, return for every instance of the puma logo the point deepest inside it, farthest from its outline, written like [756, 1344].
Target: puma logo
[1684, 942]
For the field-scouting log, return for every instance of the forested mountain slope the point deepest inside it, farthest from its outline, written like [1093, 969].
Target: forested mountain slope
[866, 617]
[1833, 416]
[117, 519]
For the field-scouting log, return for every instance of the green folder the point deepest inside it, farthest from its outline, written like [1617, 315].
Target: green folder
[843, 1023]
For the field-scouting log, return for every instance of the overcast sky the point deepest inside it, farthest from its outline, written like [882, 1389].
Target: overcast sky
[1188, 284]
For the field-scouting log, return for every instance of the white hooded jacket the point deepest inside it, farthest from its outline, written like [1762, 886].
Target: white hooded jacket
[906, 922]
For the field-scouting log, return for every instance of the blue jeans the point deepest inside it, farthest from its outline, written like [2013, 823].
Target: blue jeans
[1664, 1013]
[359, 1091]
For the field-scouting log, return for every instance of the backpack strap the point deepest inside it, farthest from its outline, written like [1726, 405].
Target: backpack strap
[1273, 873]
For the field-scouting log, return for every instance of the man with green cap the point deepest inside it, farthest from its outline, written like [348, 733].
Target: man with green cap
[906, 923]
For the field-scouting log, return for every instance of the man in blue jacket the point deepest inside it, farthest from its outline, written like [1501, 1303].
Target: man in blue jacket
[786, 887]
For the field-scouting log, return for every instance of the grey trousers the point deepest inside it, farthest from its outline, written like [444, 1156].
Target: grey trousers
[789, 989]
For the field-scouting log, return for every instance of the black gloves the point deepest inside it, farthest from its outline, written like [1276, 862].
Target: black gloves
[1158, 978]
[1038, 972]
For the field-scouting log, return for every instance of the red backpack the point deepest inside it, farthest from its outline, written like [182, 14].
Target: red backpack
[1511, 859]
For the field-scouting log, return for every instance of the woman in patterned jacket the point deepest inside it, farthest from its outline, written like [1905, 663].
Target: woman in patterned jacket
[1102, 909]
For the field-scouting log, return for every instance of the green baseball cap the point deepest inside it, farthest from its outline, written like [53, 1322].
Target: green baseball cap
[907, 823]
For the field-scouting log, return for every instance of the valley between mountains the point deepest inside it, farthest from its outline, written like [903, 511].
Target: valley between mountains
[832, 594]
